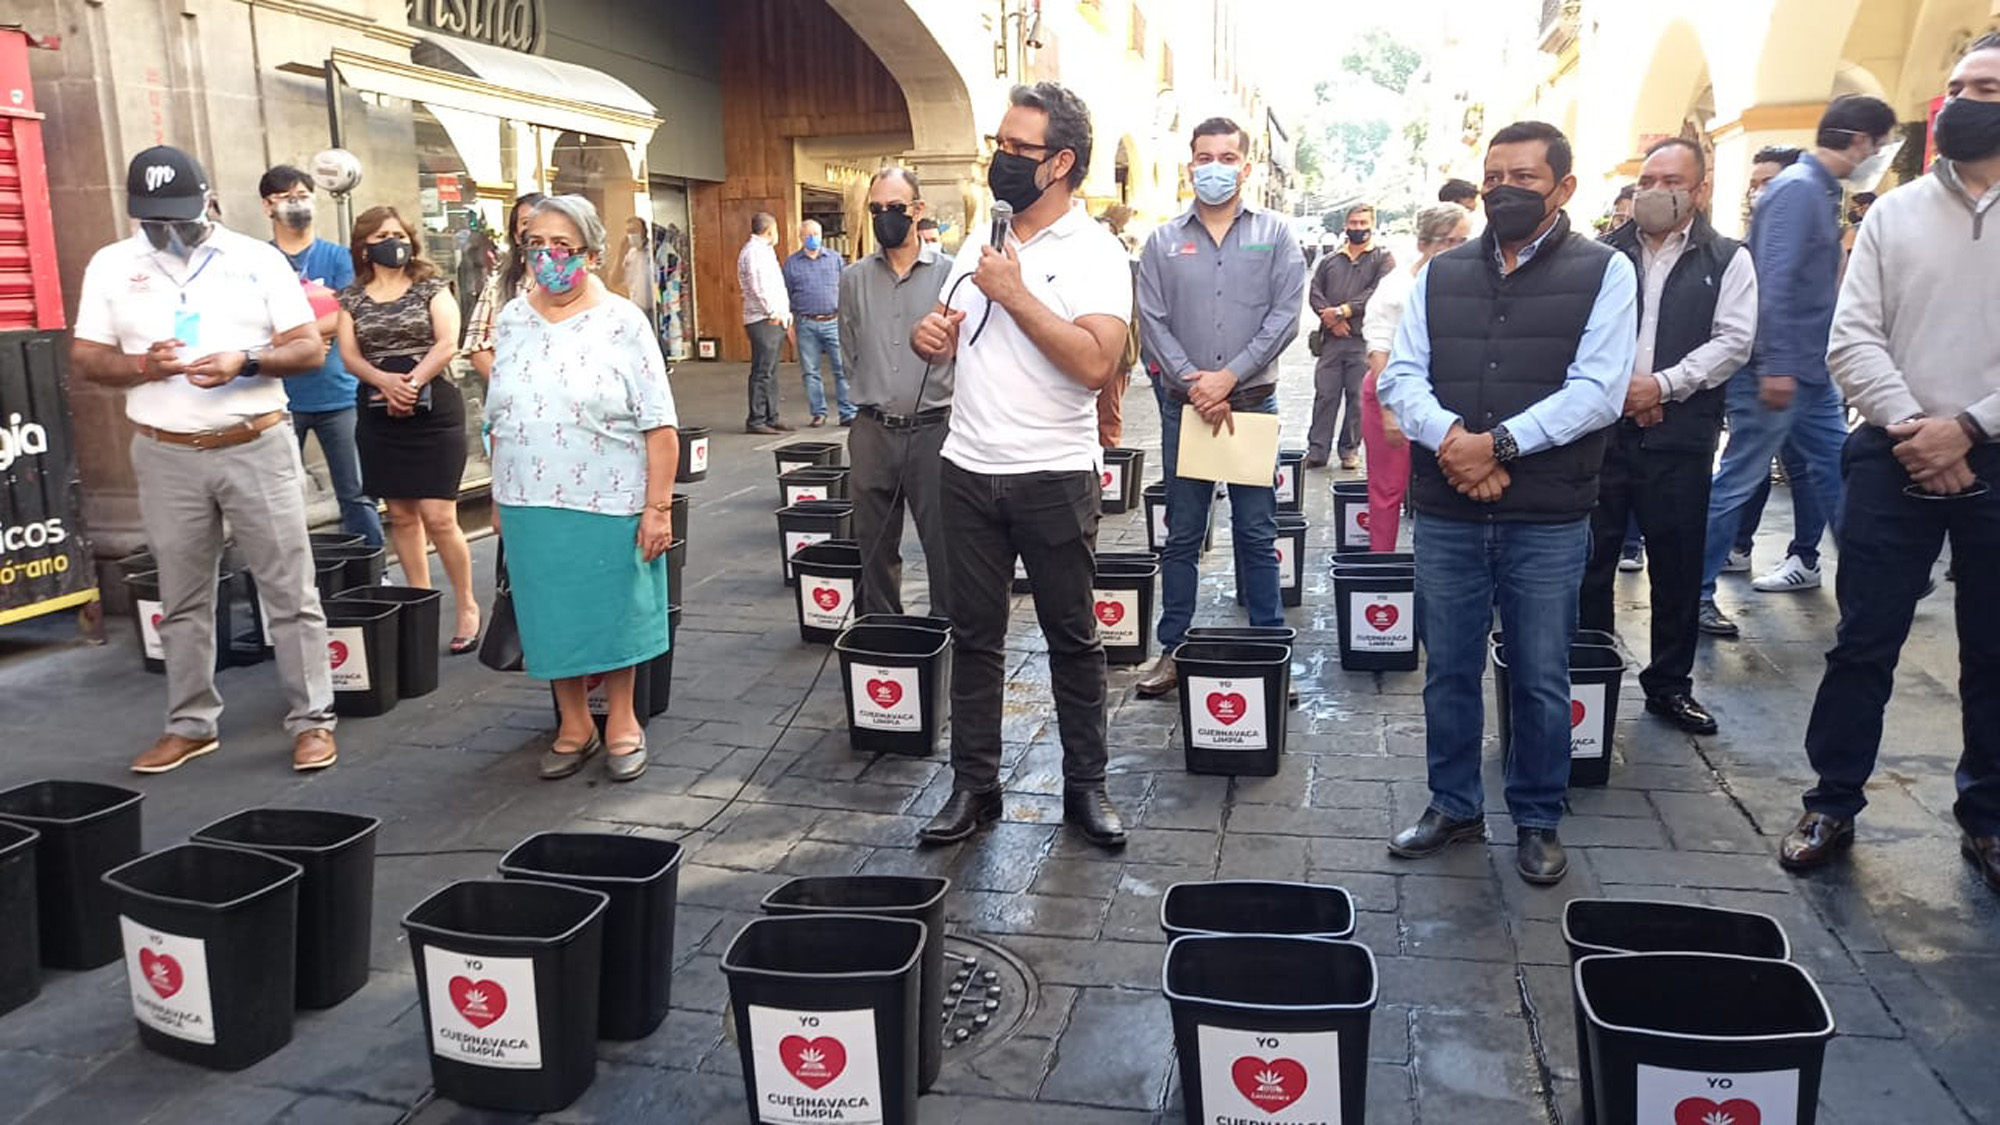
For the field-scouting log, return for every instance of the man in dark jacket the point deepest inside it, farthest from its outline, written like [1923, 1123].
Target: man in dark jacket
[1697, 321]
[1513, 355]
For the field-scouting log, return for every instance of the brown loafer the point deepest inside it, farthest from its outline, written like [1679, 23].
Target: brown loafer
[314, 750]
[1814, 841]
[171, 752]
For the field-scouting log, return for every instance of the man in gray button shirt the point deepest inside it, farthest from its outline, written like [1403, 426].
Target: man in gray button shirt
[903, 412]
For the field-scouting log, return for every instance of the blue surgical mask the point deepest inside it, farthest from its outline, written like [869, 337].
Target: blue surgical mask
[1215, 183]
[812, 243]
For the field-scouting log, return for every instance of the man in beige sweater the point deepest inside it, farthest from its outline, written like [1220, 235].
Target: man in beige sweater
[1916, 348]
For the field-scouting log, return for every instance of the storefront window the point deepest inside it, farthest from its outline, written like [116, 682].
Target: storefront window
[673, 262]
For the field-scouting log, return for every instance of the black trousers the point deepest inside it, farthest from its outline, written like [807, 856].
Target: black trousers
[1050, 521]
[894, 469]
[1667, 491]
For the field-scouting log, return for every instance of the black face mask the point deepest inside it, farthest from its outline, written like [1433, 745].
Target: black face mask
[1513, 213]
[178, 239]
[1854, 216]
[1968, 129]
[892, 228]
[1359, 237]
[393, 253]
[1012, 179]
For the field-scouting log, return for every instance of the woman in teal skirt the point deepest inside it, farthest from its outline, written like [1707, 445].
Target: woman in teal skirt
[584, 451]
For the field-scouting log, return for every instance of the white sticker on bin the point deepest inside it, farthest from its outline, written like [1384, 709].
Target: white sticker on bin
[596, 696]
[787, 466]
[169, 979]
[347, 655]
[1380, 622]
[698, 455]
[1586, 720]
[482, 1009]
[1288, 570]
[886, 698]
[1117, 616]
[1281, 1077]
[800, 493]
[813, 1067]
[151, 613]
[1284, 485]
[1112, 480]
[1226, 714]
[795, 540]
[824, 602]
[1693, 1097]
[1354, 528]
[1159, 525]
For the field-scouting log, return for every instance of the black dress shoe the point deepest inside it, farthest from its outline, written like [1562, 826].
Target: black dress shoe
[1540, 857]
[1434, 832]
[1093, 814]
[1984, 852]
[1681, 710]
[1814, 841]
[961, 816]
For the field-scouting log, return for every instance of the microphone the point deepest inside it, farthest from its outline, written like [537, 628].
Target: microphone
[1003, 215]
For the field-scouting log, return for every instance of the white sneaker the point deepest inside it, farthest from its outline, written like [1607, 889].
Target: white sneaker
[1792, 575]
[1738, 562]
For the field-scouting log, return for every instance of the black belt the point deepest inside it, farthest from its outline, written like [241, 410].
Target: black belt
[907, 421]
[820, 316]
[1243, 398]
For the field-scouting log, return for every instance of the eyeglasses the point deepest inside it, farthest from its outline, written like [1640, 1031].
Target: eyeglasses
[300, 196]
[898, 208]
[1015, 148]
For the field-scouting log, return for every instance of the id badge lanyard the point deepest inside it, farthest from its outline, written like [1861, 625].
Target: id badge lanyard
[187, 321]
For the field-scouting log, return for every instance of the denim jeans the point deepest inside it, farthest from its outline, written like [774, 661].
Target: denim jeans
[335, 429]
[767, 343]
[1817, 427]
[1253, 527]
[1808, 522]
[817, 338]
[1885, 564]
[1532, 571]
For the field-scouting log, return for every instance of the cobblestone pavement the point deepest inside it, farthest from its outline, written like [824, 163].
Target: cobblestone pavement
[1474, 1024]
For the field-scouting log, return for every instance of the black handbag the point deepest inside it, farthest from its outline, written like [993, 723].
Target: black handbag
[501, 650]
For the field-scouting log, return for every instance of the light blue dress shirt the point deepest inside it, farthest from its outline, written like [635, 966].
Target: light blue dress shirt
[1593, 392]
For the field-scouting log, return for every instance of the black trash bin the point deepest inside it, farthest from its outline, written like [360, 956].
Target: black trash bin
[1122, 598]
[1155, 498]
[143, 588]
[87, 829]
[1271, 1028]
[1290, 479]
[679, 516]
[919, 898]
[1375, 604]
[1702, 1038]
[1119, 480]
[1233, 697]
[1257, 906]
[329, 577]
[508, 974]
[826, 1016]
[676, 556]
[320, 539]
[806, 455]
[1613, 925]
[20, 943]
[1291, 547]
[819, 482]
[417, 651]
[897, 681]
[829, 575]
[641, 876]
[693, 464]
[361, 566]
[363, 641]
[597, 692]
[815, 521]
[210, 951]
[1595, 673]
[335, 852]
[1350, 515]
[1257, 634]
[660, 670]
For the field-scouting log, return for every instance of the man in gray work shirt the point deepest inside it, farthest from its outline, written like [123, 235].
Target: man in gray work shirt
[897, 434]
[1219, 295]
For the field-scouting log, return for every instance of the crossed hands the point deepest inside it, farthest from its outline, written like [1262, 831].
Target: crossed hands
[1932, 451]
[1643, 401]
[1208, 392]
[1467, 461]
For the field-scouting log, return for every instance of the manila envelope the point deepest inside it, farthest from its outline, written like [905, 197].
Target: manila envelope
[1248, 456]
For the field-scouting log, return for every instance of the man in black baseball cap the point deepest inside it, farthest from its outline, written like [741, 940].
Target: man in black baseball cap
[166, 190]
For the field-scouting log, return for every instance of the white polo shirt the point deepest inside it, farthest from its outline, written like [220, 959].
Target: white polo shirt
[233, 293]
[1012, 410]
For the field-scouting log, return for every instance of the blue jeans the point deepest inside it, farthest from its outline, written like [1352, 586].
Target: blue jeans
[1807, 522]
[343, 466]
[816, 338]
[1817, 427]
[1253, 526]
[1533, 571]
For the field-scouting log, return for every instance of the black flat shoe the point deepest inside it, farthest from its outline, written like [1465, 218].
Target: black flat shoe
[1091, 812]
[1814, 842]
[1539, 856]
[1984, 852]
[1434, 832]
[961, 816]
[1682, 711]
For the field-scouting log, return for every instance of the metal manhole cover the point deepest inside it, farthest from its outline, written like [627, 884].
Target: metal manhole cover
[989, 996]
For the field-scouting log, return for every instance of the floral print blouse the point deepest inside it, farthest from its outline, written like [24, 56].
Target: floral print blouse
[569, 406]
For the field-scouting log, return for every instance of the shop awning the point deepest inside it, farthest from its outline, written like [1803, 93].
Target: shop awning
[502, 83]
[517, 71]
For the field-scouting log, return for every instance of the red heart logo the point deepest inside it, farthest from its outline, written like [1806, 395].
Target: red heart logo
[1701, 1111]
[1575, 712]
[479, 1001]
[826, 596]
[1227, 708]
[1110, 613]
[801, 497]
[1382, 616]
[161, 971]
[814, 1062]
[336, 653]
[593, 681]
[156, 621]
[885, 693]
[1272, 1085]
[1361, 520]
[1107, 478]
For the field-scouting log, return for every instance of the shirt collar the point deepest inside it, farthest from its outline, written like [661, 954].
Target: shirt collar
[1947, 173]
[927, 255]
[1243, 208]
[1827, 180]
[1527, 252]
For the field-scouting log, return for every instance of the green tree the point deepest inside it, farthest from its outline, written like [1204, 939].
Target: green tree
[1383, 59]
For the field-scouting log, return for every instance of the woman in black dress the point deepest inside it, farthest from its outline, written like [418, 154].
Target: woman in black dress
[398, 334]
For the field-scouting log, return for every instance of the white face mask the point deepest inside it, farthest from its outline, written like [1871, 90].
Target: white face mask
[1868, 173]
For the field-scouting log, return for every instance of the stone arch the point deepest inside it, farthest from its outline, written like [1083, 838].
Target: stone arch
[1676, 83]
[1125, 168]
[940, 105]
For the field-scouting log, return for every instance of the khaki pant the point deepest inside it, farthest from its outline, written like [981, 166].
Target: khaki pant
[1111, 410]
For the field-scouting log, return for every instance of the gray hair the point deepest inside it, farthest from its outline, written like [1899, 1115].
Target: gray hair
[1436, 222]
[581, 215]
[909, 177]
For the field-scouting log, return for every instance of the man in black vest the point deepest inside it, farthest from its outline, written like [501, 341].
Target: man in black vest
[1513, 355]
[1697, 321]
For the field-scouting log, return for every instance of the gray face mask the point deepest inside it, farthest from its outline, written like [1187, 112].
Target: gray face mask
[296, 214]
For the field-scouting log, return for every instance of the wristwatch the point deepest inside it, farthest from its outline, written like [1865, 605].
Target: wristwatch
[1504, 449]
[252, 364]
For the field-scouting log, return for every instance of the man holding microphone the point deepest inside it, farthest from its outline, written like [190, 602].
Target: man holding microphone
[1036, 321]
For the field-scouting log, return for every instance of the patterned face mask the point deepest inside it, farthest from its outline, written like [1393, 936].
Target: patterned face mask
[558, 270]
